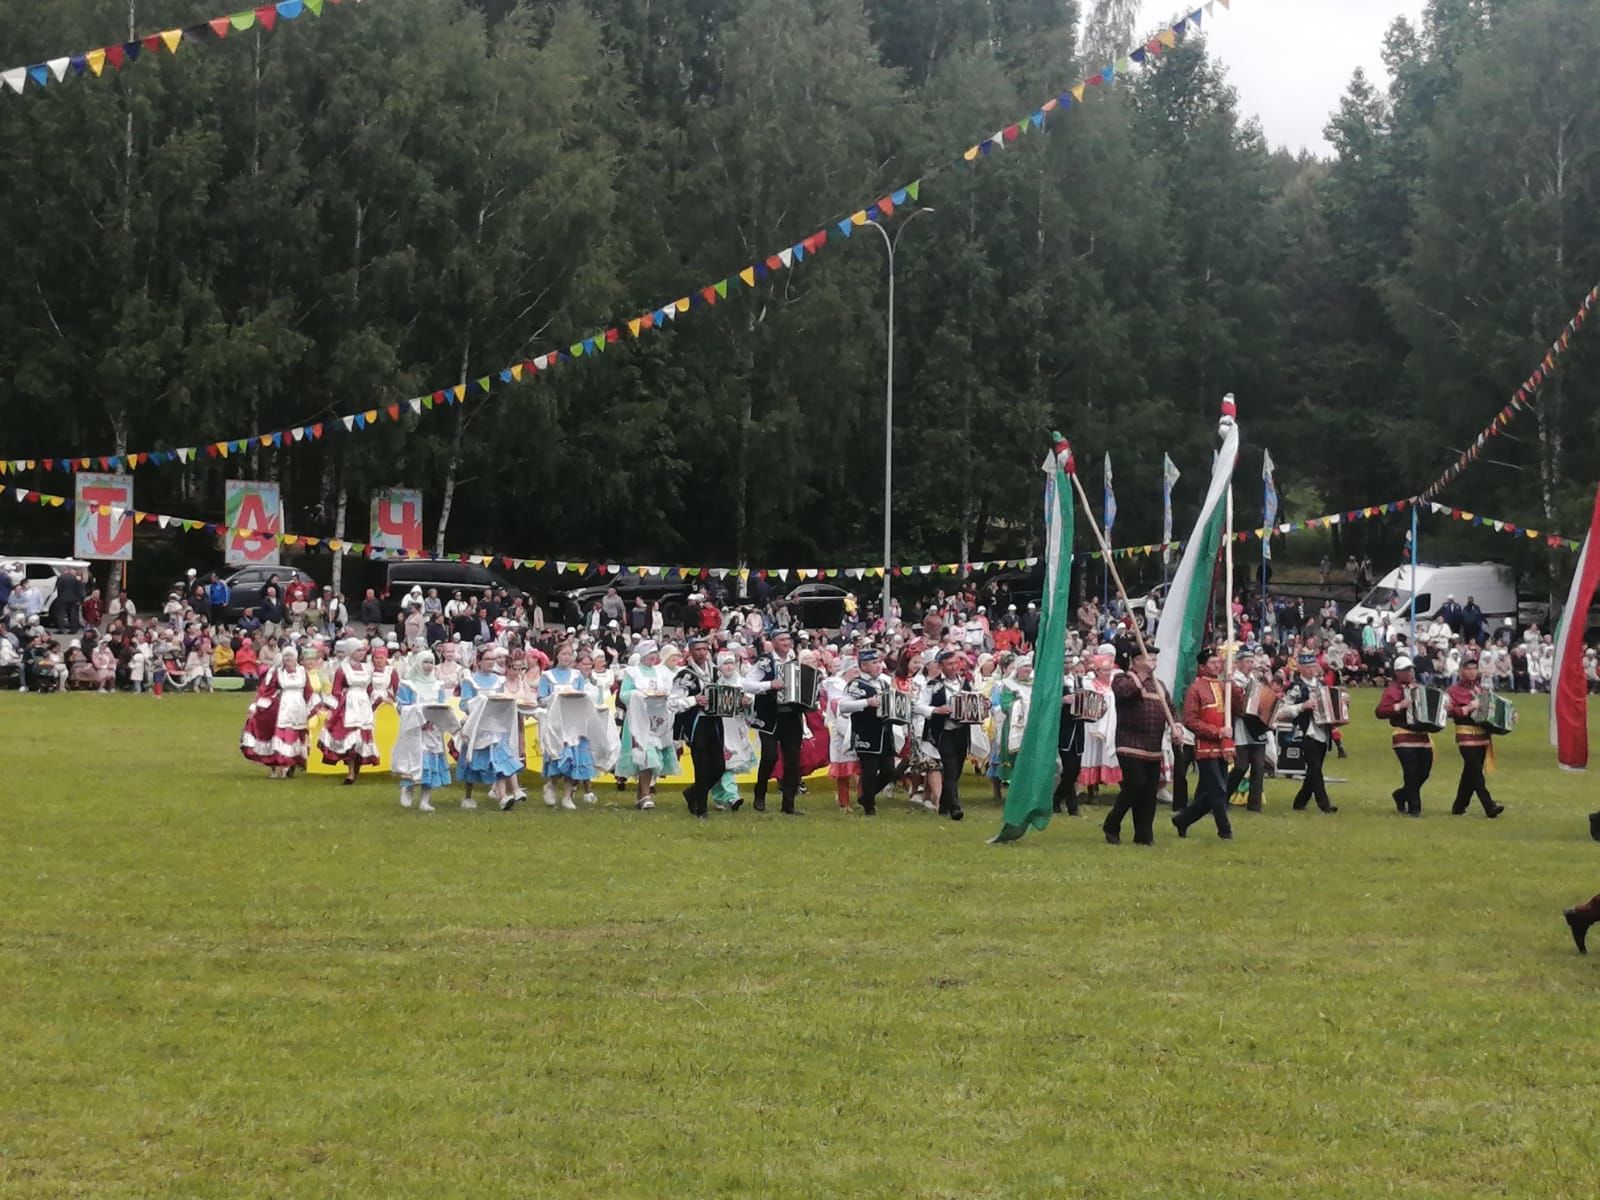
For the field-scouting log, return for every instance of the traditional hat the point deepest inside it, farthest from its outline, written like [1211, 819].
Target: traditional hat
[648, 646]
[1402, 663]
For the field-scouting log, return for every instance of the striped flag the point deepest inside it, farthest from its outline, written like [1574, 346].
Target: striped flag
[1569, 691]
[1033, 780]
[1111, 499]
[1183, 617]
[1269, 502]
[1169, 476]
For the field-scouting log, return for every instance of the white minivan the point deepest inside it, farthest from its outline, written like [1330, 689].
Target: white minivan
[38, 576]
[1492, 585]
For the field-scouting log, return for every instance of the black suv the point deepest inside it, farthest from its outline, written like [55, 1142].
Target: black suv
[470, 579]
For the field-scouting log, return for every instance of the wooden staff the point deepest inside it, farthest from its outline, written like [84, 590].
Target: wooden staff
[1122, 592]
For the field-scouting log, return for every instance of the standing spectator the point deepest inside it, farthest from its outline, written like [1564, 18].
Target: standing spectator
[1472, 622]
[372, 613]
[612, 606]
[432, 606]
[296, 600]
[69, 601]
[639, 617]
[199, 596]
[93, 610]
[1324, 569]
[219, 596]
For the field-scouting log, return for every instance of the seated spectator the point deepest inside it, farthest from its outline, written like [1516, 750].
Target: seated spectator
[246, 665]
[222, 659]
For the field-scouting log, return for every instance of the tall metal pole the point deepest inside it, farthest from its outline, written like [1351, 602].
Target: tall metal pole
[890, 245]
[1414, 548]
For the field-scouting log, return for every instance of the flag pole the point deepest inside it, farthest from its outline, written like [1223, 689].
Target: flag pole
[1122, 592]
[1227, 608]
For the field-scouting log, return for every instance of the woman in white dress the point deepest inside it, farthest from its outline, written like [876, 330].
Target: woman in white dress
[647, 747]
[418, 756]
[1100, 766]
[347, 737]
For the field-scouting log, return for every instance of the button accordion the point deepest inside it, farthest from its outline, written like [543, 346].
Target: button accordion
[1085, 705]
[1428, 709]
[1260, 706]
[968, 708]
[725, 700]
[801, 685]
[1331, 707]
[1494, 713]
[894, 705]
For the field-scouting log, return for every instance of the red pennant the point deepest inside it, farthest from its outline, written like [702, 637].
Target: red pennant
[211, 450]
[267, 14]
[394, 412]
[709, 295]
[316, 430]
[886, 206]
[116, 56]
[1012, 133]
[611, 335]
[648, 321]
[220, 27]
[151, 42]
[48, 463]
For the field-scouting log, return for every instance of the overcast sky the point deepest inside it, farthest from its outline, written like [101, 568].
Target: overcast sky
[1290, 60]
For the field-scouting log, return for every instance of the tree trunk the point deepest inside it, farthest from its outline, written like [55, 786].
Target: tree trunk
[452, 470]
[338, 532]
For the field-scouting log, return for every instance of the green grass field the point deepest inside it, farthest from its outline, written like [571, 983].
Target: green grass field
[216, 985]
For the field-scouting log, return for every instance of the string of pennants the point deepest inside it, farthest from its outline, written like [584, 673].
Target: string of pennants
[655, 319]
[122, 54]
[359, 549]
[1523, 398]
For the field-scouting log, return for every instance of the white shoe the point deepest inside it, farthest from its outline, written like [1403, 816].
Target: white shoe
[469, 803]
[567, 804]
[425, 807]
[405, 799]
[589, 798]
[549, 796]
[522, 794]
[645, 804]
[506, 802]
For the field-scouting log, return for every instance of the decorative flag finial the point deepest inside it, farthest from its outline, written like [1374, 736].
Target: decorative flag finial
[1063, 451]
[1230, 414]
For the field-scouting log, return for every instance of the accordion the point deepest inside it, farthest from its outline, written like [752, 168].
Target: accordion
[895, 706]
[968, 708]
[725, 700]
[1260, 706]
[1085, 706]
[1494, 713]
[801, 686]
[1331, 707]
[1428, 709]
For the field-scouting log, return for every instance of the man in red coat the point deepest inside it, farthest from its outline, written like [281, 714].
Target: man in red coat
[1205, 716]
[1411, 746]
[1472, 740]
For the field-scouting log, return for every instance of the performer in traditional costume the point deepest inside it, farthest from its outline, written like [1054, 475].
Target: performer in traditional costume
[1205, 716]
[1100, 766]
[275, 729]
[450, 671]
[693, 727]
[1413, 747]
[738, 751]
[1010, 704]
[1249, 737]
[1473, 741]
[843, 763]
[1300, 699]
[949, 740]
[1071, 736]
[871, 733]
[522, 685]
[487, 742]
[385, 677]
[418, 756]
[782, 726]
[576, 737]
[347, 737]
[647, 749]
[1142, 726]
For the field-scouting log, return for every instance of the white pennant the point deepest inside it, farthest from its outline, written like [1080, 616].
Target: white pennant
[15, 78]
[783, 574]
[162, 520]
[786, 257]
[58, 68]
[298, 433]
[416, 404]
[560, 566]
[349, 423]
[856, 572]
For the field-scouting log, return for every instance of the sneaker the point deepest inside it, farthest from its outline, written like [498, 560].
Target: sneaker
[506, 803]
[405, 799]
[549, 796]
[425, 806]
[589, 798]
[644, 804]
[566, 803]
[469, 803]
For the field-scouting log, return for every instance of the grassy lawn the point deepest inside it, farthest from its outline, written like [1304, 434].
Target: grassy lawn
[216, 985]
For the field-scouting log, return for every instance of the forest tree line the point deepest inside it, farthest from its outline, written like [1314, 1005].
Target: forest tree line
[403, 195]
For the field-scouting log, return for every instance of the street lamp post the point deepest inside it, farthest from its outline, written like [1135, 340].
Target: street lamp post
[890, 245]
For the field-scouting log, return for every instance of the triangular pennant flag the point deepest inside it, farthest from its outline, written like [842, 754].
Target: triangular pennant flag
[58, 67]
[243, 20]
[289, 9]
[1167, 38]
[633, 326]
[219, 27]
[749, 277]
[170, 39]
[1077, 93]
[15, 79]
[267, 14]
[314, 7]
[96, 60]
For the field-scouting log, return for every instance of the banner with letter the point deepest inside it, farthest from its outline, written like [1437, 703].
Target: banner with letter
[103, 517]
[251, 508]
[397, 521]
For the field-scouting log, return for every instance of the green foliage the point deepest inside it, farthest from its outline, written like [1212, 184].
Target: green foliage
[401, 196]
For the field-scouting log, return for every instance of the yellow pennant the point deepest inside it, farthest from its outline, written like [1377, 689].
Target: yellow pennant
[1077, 93]
[171, 38]
[96, 60]
[633, 327]
[516, 372]
[1168, 38]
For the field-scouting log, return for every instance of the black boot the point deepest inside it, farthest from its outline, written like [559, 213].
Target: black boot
[1594, 826]
[1579, 924]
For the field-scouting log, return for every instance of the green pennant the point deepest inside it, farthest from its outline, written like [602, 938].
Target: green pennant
[427, 402]
[913, 188]
[484, 384]
[577, 349]
[314, 7]
[722, 289]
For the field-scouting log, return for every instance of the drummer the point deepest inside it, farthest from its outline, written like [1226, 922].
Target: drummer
[1472, 740]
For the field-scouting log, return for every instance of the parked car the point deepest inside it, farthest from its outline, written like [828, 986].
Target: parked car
[673, 595]
[470, 579]
[38, 576]
[246, 587]
[817, 605]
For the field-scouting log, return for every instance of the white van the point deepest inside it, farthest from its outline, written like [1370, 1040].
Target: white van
[1491, 584]
[38, 577]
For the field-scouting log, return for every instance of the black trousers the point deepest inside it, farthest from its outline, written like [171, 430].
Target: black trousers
[1416, 764]
[788, 736]
[1210, 796]
[1182, 760]
[1141, 779]
[1066, 796]
[705, 753]
[1472, 781]
[878, 771]
[952, 757]
[1252, 757]
[1312, 787]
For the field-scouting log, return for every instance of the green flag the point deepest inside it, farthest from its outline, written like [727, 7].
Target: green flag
[1033, 780]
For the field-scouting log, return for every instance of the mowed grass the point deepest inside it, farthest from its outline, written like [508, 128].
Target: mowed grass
[216, 985]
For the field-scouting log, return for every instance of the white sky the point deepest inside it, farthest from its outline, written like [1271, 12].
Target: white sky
[1290, 60]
